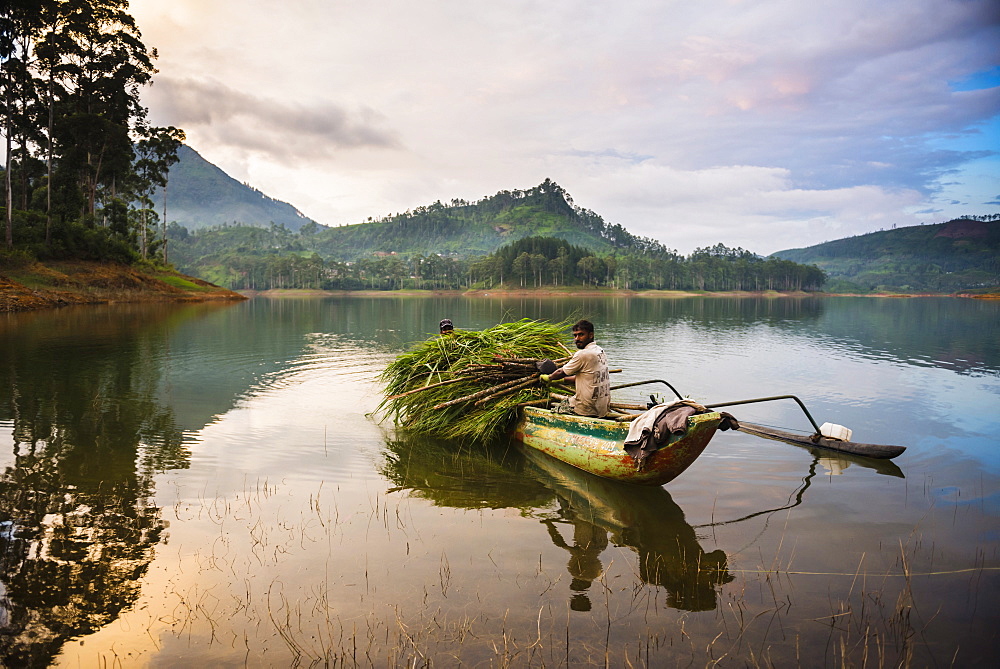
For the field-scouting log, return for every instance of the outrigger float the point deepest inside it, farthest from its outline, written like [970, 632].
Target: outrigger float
[596, 445]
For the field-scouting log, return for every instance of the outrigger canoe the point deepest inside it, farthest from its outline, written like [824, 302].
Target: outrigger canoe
[596, 445]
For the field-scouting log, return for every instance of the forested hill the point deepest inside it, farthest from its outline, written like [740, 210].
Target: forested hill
[201, 195]
[521, 238]
[459, 229]
[467, 229]
[962, 254]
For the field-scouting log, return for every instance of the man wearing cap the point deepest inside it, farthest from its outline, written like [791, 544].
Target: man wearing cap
[446, 326]
[588, 368]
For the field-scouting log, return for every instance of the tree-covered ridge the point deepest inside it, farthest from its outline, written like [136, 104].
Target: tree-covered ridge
[961, 254]
[81, 160]
[515, 239]
[468, 229]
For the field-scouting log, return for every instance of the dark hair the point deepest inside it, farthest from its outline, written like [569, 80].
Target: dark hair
[584, 325]
[446, 324]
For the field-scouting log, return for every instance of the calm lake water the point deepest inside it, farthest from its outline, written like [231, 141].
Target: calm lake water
[203, 485]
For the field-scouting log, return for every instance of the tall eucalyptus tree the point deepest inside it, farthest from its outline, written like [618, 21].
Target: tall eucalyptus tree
[19, 28]
[157, 151]
[70, 76]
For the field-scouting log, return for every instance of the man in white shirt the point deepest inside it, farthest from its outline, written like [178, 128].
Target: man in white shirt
[588, 368]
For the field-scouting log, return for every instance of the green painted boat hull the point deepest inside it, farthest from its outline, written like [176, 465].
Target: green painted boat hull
[596, 445]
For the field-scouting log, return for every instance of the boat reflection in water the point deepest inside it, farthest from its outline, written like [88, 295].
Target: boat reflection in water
[582, 514]
[643, 518]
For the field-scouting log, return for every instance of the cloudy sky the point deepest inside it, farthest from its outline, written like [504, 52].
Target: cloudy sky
[766, 124]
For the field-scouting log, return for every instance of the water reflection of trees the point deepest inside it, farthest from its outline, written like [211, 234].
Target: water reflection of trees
[719, 312]
[77, 524]
[945, 332]
[941, 332]
[582, 514]
[927, 331]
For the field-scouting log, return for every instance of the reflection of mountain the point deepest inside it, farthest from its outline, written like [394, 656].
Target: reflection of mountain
[118, 353]
[102, 398]
[582, 514]
[189, 363]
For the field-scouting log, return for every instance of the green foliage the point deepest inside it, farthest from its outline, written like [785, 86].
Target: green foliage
[14, 260]
[462, 360]
[70, 81]
[961, 254]
[180, 282]
[72, 239]
[466, 229]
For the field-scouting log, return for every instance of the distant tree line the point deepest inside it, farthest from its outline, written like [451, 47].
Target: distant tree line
[261, 259]
[81, 160]
[538, 261]
[982, 217]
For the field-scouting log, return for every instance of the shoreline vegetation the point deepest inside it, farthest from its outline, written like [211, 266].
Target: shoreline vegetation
[34, 286]
[279, 293]
[58, 284]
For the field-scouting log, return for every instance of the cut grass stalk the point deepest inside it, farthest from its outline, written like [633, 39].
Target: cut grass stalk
[496, 365]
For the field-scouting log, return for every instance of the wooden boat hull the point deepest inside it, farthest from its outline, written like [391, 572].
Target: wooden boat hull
[596, 445]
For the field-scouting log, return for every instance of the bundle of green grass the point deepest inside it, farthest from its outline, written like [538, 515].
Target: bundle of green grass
[469, 385]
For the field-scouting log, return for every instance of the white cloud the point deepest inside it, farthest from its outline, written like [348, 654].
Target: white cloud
[757, 208]
[286, 131]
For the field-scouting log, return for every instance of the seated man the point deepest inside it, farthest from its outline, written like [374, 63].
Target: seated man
[588, 368]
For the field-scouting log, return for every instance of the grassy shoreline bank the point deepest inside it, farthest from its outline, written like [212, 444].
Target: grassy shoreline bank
[34, 286]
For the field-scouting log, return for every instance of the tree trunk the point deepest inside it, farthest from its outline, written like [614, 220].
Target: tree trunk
[9, 236]
[164, 223]
[48, 167]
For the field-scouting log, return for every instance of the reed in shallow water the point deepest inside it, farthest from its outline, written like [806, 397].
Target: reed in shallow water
[468, 384]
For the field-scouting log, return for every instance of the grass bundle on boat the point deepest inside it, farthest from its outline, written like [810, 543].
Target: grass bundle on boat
[468, 385]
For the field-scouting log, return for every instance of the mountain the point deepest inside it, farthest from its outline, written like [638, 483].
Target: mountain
[459, 229]
[200, 195]
[535, 237]
[960, 255]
